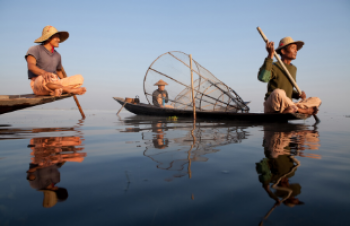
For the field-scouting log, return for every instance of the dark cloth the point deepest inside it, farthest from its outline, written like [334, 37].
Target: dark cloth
[274, 74]
[155, 95]
[45, 60]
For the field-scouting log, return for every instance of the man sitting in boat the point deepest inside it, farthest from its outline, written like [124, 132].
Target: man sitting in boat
[279, 89]
[45, 68]
[160, 95]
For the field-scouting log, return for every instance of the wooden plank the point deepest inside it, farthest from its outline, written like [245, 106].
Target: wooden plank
[10, 103]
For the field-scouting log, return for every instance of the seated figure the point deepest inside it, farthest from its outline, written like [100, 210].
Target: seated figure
[45, 69]
[160, 95]
[280, 91]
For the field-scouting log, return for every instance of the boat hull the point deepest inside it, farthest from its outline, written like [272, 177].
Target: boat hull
[10, 103]
[146, 109]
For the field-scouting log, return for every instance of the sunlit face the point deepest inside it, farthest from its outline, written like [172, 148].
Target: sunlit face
[290, 52]
[55, 40]
[161, 88]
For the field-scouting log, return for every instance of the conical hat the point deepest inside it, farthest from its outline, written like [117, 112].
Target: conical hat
[48, 31]
[161, 83]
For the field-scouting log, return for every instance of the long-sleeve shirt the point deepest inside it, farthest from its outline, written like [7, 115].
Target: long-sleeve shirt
[274, 74]
[156, 95]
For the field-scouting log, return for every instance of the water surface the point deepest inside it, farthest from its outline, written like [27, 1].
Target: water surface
[132, 170]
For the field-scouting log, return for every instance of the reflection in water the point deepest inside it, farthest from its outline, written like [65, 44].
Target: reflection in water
[280, 163]
[48, 155]
[175, 144]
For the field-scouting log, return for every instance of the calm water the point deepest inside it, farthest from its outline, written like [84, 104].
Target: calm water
[107, 170]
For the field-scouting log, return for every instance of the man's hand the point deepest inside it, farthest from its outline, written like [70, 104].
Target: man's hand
[270, 48]
[48, 76]
[302, 95]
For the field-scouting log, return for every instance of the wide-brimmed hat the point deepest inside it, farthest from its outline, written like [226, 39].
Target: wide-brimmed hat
[161, 83]
[287, 41]
[48, 31]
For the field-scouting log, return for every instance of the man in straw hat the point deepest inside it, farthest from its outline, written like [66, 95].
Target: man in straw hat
[279, 89]
[160, 95]
[45, 67]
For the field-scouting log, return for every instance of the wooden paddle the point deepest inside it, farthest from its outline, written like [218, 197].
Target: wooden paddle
[75, 98]
[285, 69]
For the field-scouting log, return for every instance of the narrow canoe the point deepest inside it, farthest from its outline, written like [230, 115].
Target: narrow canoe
[147, 109]
[10, 103]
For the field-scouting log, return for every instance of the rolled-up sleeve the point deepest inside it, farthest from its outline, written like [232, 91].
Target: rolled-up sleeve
[264, 74]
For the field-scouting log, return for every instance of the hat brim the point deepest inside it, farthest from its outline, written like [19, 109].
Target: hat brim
[64, 35]
[298, 43]
[161, 84]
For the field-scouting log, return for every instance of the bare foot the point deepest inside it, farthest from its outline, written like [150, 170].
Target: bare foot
[78, 91]
[310, 111]
[57, 92]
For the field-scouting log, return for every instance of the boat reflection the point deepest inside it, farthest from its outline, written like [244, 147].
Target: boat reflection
[175, 144]
[276, 170]
[8, 133]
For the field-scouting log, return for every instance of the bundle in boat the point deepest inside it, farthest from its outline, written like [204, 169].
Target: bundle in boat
[210, 94]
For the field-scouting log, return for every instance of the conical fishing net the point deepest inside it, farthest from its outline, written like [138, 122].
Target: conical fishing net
[210, 93]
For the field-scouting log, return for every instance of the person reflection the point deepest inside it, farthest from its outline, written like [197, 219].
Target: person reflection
[159, 141]
[48, 155]
[280, 164]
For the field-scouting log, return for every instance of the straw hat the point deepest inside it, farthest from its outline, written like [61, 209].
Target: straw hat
[287, 41]
[161, 83]
[48, 31]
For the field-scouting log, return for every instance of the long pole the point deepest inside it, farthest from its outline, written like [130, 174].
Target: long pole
[193, 100]
[74, 97]
[285, 69]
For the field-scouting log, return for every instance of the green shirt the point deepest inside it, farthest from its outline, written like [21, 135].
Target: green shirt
[273, 74]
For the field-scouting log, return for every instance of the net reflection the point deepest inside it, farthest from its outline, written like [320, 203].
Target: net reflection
[277, 169]
[173, 145]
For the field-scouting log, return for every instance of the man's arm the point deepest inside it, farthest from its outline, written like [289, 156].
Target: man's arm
[60, 74]
[265, 74]
[166, 97]
[31, 63]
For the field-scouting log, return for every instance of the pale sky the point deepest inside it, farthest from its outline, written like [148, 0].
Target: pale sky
[112, 44]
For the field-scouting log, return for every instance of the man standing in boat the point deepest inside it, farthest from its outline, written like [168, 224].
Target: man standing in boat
[280, 92]
[45, 67]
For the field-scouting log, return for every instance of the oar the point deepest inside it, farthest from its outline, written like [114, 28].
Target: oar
[285, 70]
[75, 98]
[121, 108]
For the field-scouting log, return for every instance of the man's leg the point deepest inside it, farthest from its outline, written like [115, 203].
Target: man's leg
[74, 81]
[279, 102]
[69, 85]
[309, 104]
[39, 87]
[66, 89]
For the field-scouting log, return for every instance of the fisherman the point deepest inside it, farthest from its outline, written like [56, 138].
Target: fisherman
[280, 92]
[45, 67]
[160, 95]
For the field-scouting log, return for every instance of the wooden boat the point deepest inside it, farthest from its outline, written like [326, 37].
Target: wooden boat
[147, 109]
[9, 103]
